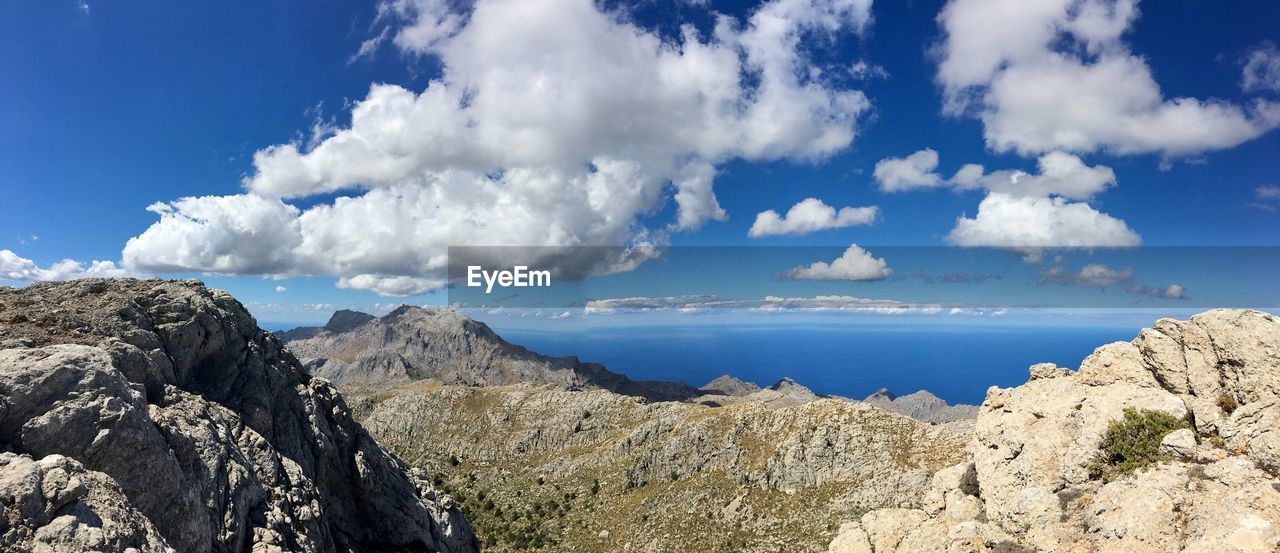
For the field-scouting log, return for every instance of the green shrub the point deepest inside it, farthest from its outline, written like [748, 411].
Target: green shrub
[1133, 441]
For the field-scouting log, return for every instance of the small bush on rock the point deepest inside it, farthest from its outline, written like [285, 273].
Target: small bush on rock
[1133, 441]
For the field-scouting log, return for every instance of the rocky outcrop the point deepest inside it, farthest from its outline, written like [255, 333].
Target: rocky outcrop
[54, 504]
[418, 343]
[1034, 484]
[921, 405]
[187, 427]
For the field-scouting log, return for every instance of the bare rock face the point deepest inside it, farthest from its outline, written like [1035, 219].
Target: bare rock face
[53, 504]
[1032, 488]
[193, 430]
[921, 405]
[418, 343]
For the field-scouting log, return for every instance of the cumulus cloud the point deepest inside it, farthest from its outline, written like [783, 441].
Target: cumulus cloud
[280, 289]
[552, 123]
[15, 267]
[1096, 275]
[914, 171]
[702, 302]
[855, 264]
[1021, 209]
[1048, 75]
[810, 215]
[1262, 69]
[1060, 174]
[1170, 292]
[1093, 275]
[1027, 222]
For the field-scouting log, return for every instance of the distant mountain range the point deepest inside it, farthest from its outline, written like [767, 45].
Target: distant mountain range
[419, 343]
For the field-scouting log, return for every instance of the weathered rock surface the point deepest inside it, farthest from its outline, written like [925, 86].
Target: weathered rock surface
[187, 427]
[921, 405]
[54, 505]
[417, 343]
[1032, 486]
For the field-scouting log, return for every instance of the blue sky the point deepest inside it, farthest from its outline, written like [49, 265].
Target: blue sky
[108, 108]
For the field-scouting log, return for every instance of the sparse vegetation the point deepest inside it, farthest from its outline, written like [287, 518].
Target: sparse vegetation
[1132, 442]
[1227, 403]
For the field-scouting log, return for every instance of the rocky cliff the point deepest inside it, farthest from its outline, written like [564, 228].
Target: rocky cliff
[156, 415]
[1038, 476]
[417, 343]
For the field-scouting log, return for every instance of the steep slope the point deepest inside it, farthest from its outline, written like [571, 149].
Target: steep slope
[157, 415]
[1038, 480]
[416, 343]
[921, 405]
[598, 471]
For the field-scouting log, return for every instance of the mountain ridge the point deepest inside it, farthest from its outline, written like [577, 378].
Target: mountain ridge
[361, 349]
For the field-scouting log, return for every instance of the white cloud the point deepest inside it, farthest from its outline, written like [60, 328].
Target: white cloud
[1021, 210]
[810, 215]
[855, 264]
[391, 285]
[914, 171]
[1056, 75]
[280, 289]
[552, 123]
[1262, 69]
[1170, 292]
[1093, 275]
[1028, 222]
[1269, 192]
[14, 267]
[703, 302]
[1061, 174]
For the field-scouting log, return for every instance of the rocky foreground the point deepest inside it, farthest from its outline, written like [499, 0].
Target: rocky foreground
[1035, 479]
[156, 416]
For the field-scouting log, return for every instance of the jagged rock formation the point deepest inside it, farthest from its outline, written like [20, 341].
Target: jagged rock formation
[416, 343]
[921, 405]
[597, 471]
[1031, 483]
[157, 415]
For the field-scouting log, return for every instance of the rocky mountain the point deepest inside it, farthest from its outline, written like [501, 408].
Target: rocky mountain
[726, 385]
[156, 416]
[341, 321]
[1191, 409]
[416, 343]
[921, 405]
[536, 466]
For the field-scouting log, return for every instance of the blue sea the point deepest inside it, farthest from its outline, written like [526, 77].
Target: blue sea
[957, 363]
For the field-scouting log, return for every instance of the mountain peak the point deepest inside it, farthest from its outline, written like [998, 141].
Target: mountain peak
[882, 394]
[346, 319]
[729, 386]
